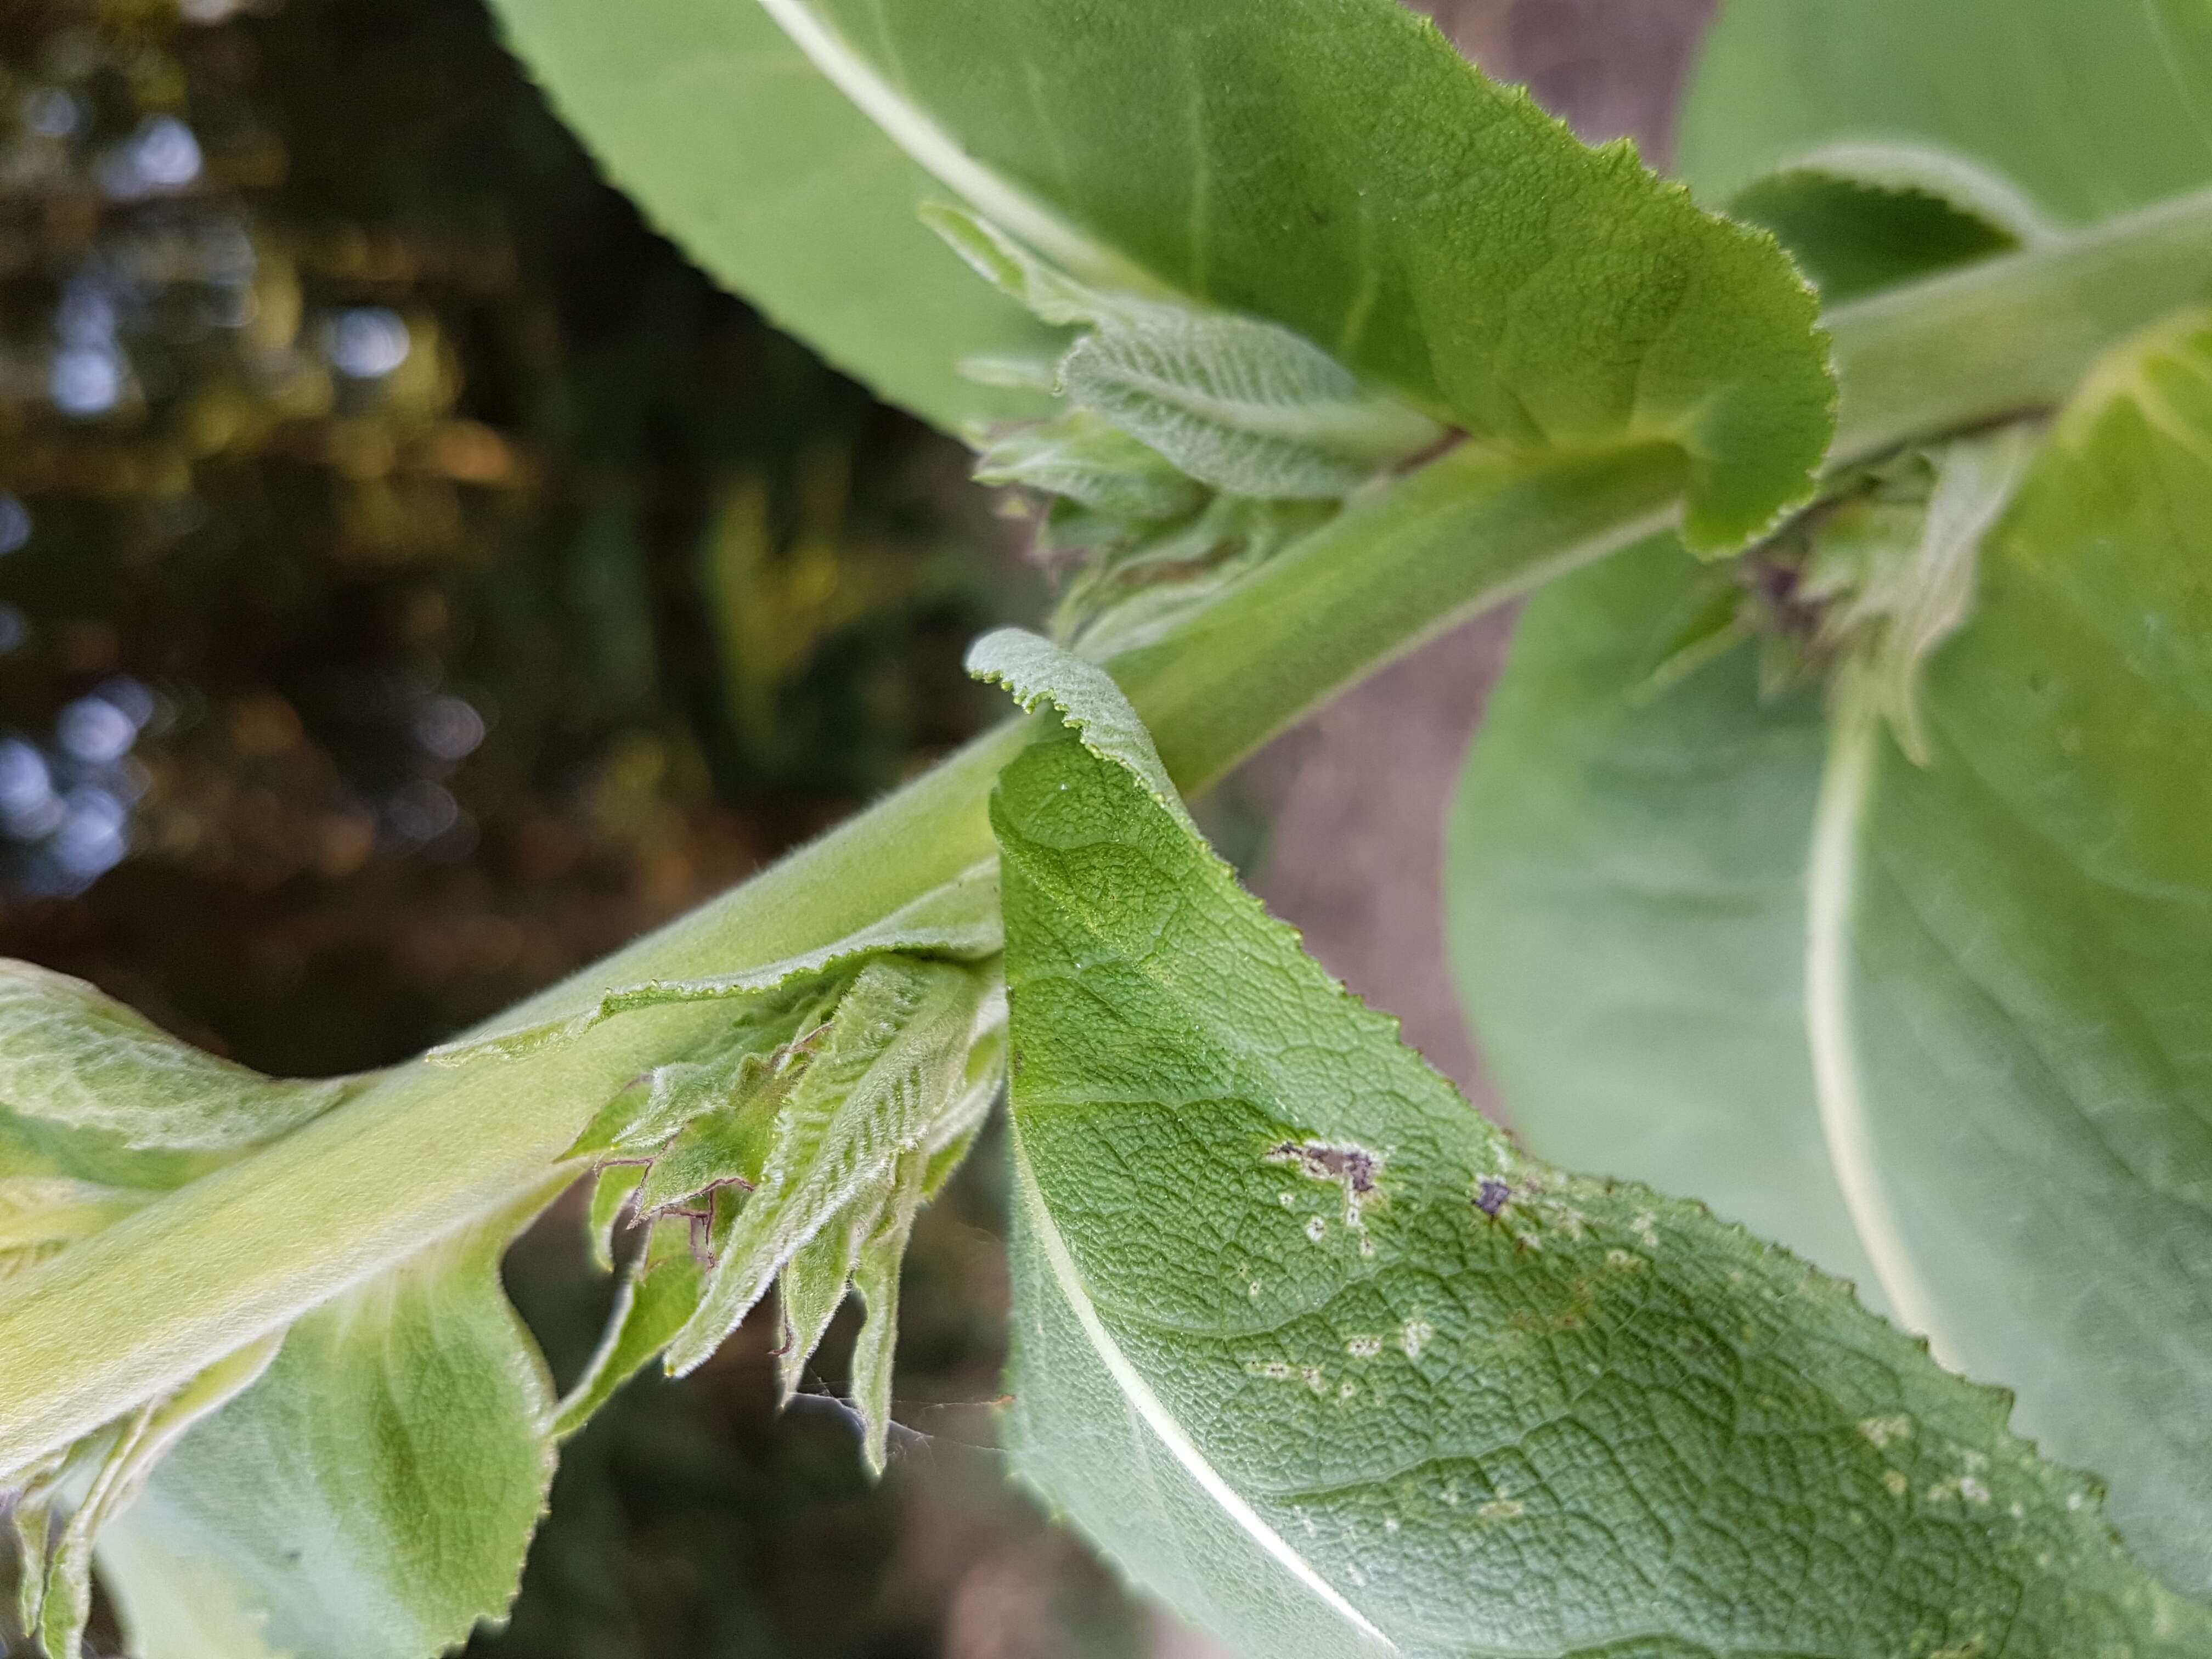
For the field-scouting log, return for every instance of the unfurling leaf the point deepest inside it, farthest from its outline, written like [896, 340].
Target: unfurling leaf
[1246, 407]
[890, 1079]
[958, 921]
[658, 1294]
[735, 1066]
[1136, 582]
[1326, 1362]
[795, 1145]
[72, 1056]
[1081, 457]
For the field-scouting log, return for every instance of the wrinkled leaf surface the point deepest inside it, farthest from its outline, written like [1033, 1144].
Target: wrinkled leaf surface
[1326, 1363]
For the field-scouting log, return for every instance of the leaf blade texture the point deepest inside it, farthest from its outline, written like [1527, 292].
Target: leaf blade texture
[370, 1496]
[75, 1058]
[718, 126]
[1370, 1417]
[2011, 945]
[1626, 905]
[1243, 406]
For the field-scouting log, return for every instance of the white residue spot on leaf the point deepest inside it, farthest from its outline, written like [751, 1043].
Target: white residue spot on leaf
[1882, 1431]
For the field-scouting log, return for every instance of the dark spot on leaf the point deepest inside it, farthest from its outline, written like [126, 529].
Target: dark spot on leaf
[1492, 1195]
[1352, 1165]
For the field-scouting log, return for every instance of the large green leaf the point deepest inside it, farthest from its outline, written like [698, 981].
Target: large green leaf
[2092, 109]
[1325, 1361]
[1625, 884]
[2012, 967]
[369, 1497]
[1330, 166]
[721, 131]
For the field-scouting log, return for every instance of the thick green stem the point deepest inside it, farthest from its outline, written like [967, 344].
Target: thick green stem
[2011, 335]
[141, 1307]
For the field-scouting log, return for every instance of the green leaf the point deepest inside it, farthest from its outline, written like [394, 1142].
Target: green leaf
[657, 1295]
[2012, 949]
[370, 1497]
[75, 1058]
[1243, 406]
[1864, 216]
[1334, 167]
[1082, 457]
[958, 921]
[1626, 905]
[2090, 110]
[1327, 1363]
[890, 1079]
[707, 115]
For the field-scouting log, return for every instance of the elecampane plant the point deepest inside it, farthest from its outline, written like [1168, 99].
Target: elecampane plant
[1830, 888]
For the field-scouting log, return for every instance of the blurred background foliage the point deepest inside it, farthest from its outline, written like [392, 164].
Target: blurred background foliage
[415, 580]
[426, 576]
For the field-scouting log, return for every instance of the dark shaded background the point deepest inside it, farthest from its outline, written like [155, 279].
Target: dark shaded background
[415, 580]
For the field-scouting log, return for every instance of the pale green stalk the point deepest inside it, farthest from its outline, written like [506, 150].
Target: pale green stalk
[2014, 334]
[157, 1297]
